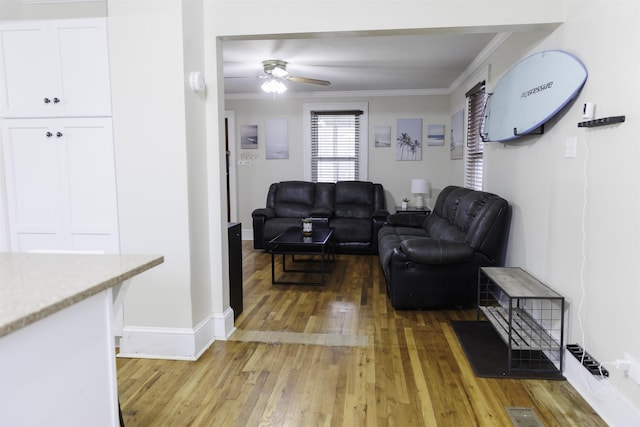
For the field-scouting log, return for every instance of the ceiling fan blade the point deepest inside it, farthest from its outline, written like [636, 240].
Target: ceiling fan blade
[307, 80]
[243, 77]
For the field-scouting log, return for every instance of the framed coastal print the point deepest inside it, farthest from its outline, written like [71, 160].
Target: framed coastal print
[276, 139]
[382, 136]
[435, 134]
[249, 137]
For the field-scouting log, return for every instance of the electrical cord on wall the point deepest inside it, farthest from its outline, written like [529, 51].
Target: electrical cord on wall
[583, 264]
[585, 202]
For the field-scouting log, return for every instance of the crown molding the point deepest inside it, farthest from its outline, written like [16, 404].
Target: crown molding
[493, 45]
[338, 94]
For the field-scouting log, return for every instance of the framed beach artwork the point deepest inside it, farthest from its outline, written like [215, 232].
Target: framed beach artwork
[249, 137]
[382, 136]
[457, 135]
[276, 138]
[435, 134]
[409, 139]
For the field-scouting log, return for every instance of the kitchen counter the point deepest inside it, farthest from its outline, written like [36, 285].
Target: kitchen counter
[33, 286]
[57, 323]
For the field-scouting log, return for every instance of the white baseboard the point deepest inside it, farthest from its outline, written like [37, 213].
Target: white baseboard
[247, 234]
[175, 343]
[612, 407]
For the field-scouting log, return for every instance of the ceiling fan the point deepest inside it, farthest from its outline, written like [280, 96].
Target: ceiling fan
[275, 71]
[278, 68]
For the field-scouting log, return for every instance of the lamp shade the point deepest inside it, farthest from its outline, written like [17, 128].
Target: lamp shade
[420, 186]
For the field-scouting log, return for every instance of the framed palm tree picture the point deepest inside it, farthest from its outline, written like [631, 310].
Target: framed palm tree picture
[409, 139]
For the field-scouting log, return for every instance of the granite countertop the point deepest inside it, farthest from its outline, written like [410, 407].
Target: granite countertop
[33, 286]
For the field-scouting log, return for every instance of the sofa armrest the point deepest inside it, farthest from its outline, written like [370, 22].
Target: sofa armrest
[425, 250]
[260, 217]
[265, 212]
[378, 220]
[407, 219]
[380, 214]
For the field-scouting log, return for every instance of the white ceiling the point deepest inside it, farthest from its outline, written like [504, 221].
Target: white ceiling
[398, 62]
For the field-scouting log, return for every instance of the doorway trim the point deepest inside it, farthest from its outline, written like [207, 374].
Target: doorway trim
[231, 135]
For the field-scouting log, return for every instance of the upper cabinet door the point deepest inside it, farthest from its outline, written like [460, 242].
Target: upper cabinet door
[55, 68]
[25, 60]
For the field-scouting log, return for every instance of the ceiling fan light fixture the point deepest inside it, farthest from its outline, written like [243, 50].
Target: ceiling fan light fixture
[279, 72]
[274, 85]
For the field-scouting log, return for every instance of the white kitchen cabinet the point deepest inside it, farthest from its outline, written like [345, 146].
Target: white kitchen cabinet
[61, 184]
[54, 68]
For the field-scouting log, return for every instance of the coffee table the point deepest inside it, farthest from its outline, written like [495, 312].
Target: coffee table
[293, 243]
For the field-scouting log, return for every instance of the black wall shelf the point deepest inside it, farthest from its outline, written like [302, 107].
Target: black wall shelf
[601, 122]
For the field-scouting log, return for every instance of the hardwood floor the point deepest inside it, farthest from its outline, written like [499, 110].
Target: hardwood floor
[337, 355]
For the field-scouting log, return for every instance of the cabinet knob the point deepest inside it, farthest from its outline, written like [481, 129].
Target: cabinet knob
[49, 134]
[47, 100]
[56, 100]
[58, 134]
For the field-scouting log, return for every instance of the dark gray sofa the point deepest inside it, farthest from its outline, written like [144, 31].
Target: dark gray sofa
[356, 209]
[432, 261]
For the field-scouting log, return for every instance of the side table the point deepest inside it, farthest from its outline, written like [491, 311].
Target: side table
[528, 316]
[413, 209]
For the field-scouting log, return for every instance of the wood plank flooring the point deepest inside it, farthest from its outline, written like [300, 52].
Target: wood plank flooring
[337, 355]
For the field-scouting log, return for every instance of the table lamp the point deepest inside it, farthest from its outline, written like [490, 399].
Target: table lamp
[418, 188]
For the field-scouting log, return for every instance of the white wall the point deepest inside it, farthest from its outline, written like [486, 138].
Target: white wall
[151, 156]
[197, 168]
[254, 179]
[574, 222]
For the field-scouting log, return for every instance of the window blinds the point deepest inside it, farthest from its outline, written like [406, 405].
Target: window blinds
[476, 100]
[335, 145]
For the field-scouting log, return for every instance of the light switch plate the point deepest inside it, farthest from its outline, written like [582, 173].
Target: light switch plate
[571, 147]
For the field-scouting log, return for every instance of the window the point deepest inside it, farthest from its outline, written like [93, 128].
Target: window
[336, 142]
[476, 100]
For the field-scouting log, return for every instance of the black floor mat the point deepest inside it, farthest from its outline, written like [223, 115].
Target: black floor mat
[488, 356]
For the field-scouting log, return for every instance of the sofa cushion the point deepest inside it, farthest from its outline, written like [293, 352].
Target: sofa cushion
[482, 213]
[324, 200]
[294, 199]
[440, 228]
[467, 216]
[354, 199]
[351, 230]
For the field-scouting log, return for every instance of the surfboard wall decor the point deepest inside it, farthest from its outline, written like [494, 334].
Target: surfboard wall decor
[530, 93]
